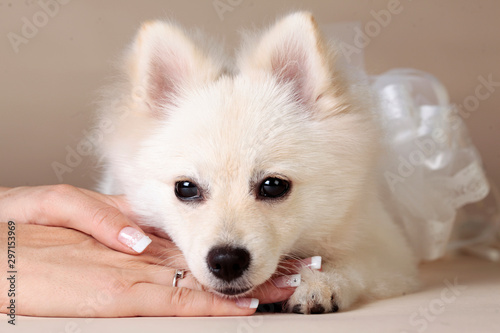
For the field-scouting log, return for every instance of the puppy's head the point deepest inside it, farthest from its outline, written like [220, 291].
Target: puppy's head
[241, 169]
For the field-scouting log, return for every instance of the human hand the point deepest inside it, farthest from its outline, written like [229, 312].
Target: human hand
[107, 218]
[66, 273]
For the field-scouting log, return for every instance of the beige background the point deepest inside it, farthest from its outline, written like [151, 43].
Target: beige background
[47, 89]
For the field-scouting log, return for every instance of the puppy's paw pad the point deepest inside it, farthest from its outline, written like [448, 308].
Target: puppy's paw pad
[311, 308]
[313, 296]
[317, 309]
[297, 308]
[335, 307]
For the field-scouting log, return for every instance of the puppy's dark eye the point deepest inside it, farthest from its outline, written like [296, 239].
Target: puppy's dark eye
[273, 188]
[186, 190]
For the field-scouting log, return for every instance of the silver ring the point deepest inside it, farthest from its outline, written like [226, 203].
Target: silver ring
[179, 274]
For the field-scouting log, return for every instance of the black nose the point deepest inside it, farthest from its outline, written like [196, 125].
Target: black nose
[228, 263]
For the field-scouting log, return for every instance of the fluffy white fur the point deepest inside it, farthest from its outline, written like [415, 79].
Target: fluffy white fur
[285, 110]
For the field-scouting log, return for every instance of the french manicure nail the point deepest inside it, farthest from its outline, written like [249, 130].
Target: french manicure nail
[312, 263]
[247, 303]
[287, 281]
[134, 239]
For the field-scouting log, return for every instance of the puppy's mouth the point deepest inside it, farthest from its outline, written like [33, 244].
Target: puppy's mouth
[232, 292]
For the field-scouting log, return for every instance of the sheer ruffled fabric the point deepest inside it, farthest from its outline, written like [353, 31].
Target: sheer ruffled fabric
[430, 169]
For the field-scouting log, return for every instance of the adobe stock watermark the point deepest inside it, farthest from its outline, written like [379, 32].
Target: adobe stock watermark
[251, 324]
[427, 146]
[92, 305]
[426, 315]
[371, 29]
[31, 26]
[92, 138]
[482, 92]
[223, 6]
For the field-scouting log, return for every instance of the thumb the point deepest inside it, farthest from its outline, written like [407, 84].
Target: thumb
[109, 226]
[97, 215]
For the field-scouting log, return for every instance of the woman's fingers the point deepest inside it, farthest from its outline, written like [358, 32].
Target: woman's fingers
[93, 213]
[118, 201]
[145, 299]
[279, 288]
[268, 292]
[292, 266]
[165, 277]
[71, 207]
[282, 285]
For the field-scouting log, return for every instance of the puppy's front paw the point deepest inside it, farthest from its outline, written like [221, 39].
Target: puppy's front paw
[314, 295]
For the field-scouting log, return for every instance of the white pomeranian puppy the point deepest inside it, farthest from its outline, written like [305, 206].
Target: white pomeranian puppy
[245, 165]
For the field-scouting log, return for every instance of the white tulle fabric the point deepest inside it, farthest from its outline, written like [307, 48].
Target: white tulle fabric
[430, 168]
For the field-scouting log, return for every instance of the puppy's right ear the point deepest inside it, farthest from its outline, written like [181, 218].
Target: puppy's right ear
[162, 61]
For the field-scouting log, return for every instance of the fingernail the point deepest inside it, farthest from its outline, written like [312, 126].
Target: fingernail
[247, 303]
[312, 262]
[287, 281]
[134, 239]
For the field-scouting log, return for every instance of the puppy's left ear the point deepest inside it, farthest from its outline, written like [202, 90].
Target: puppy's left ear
[293, 51]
